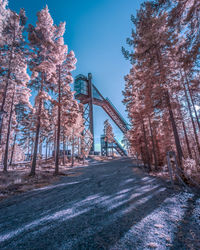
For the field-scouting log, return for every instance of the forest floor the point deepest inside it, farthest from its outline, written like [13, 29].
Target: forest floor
[105, 205]
[194, 180]
[17, 179]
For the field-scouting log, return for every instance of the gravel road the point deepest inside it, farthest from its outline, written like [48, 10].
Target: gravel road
[112, 205]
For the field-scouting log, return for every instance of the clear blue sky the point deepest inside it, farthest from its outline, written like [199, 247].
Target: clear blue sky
[96, 30]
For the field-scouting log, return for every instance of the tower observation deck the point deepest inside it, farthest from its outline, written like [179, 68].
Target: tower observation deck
[89, 95]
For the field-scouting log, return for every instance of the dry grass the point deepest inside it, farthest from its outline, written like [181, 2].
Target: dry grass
[17, 179]
[15, 182]
[102, 158]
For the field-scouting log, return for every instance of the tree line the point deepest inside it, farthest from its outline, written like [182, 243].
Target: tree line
[162, 88]
[35, 63]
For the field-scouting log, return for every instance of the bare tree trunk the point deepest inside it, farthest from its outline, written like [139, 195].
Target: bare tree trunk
[142, 155]
[54, 144]
[67, 148]
[72, 150]
[195, 156]
[13, 149]
[146, 145]
[185, 132]
[49, 151]
[174, 128]
[40, 146]
[153, 144]
[78, 147]
[187, 141]
[5, 168]
[64, 146]
[190, 112]
[176, 136]
[58, 125]
[157, 147]
[7, 81]
[28, 149]
[46, 149]
[33, 165]
[32, 148]
[191, 97]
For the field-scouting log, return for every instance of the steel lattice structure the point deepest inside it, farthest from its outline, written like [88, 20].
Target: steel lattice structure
[89, 95]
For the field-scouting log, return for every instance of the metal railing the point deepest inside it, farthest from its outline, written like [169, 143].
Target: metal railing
[118, 113]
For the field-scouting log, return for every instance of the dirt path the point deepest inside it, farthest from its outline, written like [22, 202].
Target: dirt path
[104, 206]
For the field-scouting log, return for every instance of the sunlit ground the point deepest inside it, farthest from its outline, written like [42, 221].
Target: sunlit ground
[102, 207]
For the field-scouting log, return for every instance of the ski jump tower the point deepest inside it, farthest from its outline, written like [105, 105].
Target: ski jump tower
[89, 95]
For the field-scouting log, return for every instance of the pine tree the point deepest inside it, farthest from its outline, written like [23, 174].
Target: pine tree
[65, 64]
[109, 135]
[161, 90]
[43, 67]
[151, 41]
[12, 54]
[14, 76]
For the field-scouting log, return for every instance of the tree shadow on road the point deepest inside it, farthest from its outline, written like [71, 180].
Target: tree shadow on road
[187, 235]
[87, 214]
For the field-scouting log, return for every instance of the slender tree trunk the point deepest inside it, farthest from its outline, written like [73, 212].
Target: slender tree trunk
[158, 149]
[28, 149]
[54, 145]
[142, 155]
[186, 138]
[67, 142]
[49, 151]
[46, 149]
[78, 147]
[146, 145]
[187, 141]
[184, 129]
[175, 132]
[7, 82]
[73, 150]
[64, 146]
[40, 146]
[190, 112]
[176, 136]
[195, 156]
[13, 149]
[33, 165]
[58, 125]
[5, 169]
[191, 97]
[32, 148]
[153, 144]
